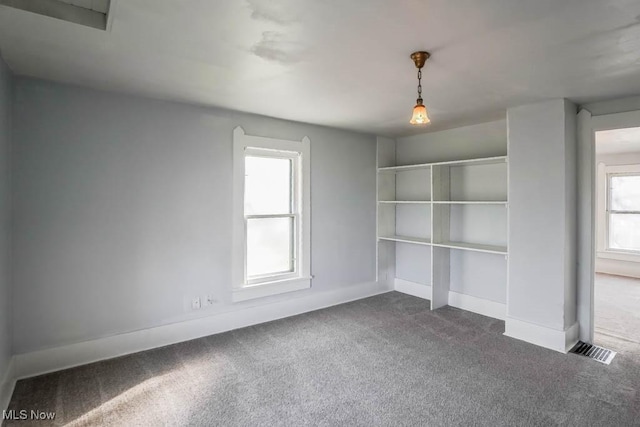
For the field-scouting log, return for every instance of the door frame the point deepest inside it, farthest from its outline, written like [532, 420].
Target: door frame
[588, 125]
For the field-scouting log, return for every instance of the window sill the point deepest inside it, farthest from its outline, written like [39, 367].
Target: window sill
[266, 289]
[620, 256]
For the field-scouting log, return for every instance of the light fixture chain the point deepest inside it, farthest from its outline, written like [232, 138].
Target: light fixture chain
[419, 82]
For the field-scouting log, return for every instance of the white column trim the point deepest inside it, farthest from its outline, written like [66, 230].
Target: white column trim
[543, 336]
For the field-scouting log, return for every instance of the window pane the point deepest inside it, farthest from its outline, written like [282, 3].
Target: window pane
[625, 193]
[269, 246]
[267, 186]
[624, 231]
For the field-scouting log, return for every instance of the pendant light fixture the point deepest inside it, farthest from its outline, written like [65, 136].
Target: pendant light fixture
[420, 116]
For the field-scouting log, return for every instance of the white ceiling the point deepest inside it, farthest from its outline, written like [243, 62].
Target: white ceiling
[342, 63]
[618, 141]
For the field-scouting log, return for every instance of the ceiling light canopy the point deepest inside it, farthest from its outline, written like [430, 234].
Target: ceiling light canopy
[420, 116]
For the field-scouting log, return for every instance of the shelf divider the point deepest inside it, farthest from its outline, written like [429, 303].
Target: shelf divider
[441, 218]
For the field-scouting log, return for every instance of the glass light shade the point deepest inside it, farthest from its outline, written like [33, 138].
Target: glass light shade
[420, 116]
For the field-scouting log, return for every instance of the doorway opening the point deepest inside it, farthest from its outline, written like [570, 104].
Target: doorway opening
[616, 282]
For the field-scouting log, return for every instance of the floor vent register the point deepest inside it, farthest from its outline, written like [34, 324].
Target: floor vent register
[594, 352]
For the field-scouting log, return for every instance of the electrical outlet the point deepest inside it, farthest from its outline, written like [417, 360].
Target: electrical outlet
[195, 303]
[209, 300]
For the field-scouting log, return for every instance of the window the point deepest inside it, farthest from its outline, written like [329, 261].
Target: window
[271, 216]
[623, 210]
[271, 212]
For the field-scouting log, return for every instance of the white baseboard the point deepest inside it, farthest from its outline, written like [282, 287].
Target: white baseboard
[412, 288]
[7, 385]
[617, 267]
[54, 359]
[561, 341]
[488, 308]
[553, 339]
[465, 302]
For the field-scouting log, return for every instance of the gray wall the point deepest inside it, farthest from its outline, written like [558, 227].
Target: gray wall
[476, 274]
[542, 212]
[6, 95]
[619, 105]
[483, 140]
[123, 210]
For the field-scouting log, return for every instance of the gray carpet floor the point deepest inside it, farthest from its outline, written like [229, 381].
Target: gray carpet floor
[381, 361]
[616, 308]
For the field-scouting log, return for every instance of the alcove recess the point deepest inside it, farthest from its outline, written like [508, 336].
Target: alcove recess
[442, 229]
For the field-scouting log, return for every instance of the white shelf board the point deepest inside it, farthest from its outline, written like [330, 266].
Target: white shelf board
[474, 162]
[405, 168]
[490, 249]
[470, 202]
[468, 162]
[423, 202]
[407, 239]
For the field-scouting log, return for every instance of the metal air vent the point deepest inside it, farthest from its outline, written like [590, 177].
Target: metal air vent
[594, 352]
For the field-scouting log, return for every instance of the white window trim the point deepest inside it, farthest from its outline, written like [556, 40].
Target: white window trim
[301, 279]
[603, 250]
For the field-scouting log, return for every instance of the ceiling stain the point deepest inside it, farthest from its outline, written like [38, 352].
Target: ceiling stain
[274, 46]
[272, 11]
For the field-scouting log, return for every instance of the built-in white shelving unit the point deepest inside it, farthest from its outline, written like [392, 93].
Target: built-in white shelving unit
[444, 207]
